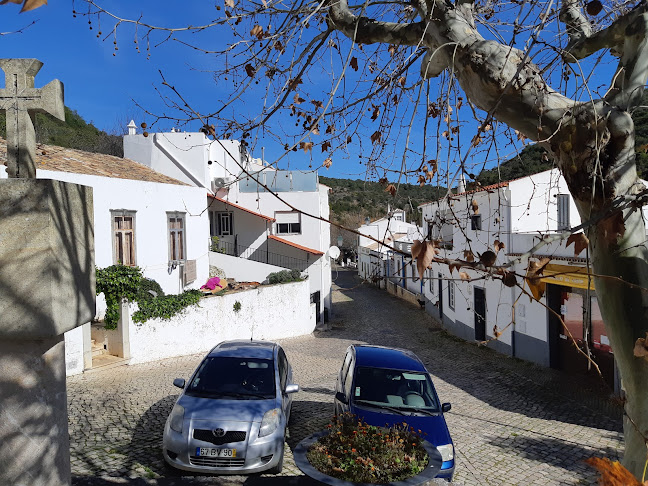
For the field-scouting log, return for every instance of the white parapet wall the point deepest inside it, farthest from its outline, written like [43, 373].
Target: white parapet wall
[268, 312]
[240, 269]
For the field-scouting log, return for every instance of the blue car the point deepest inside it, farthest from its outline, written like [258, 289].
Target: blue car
[387, 386]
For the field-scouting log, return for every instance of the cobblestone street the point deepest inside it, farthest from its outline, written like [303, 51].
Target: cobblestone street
[512, 423]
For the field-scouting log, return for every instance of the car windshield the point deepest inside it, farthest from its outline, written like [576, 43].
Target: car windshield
[234, 378]
[403, 390]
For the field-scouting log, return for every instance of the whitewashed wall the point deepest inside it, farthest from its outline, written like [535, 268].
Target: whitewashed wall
[240, 269]
[74, 351]
[151, 201]
[268, 312]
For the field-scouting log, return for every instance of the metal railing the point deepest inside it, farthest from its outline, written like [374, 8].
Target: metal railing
[259, 255]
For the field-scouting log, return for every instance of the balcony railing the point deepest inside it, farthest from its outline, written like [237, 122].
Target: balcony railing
[259, 255]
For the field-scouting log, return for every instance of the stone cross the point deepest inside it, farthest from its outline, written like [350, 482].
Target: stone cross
[20, 101]
[47, 287]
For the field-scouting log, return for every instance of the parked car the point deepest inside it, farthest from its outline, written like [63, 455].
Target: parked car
[232, 413]
[387, 386]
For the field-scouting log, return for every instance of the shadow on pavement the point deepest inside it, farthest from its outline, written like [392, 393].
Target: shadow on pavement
[375, 317]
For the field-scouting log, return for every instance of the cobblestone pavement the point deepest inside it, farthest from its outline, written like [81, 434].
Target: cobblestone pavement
[512, 423]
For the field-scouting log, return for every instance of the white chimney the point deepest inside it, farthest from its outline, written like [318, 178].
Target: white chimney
[461, 187]
[132, 128]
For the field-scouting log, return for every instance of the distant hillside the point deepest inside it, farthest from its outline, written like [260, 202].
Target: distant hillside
[530, 161]
[74, 132]
[369, 199]
[352, 201]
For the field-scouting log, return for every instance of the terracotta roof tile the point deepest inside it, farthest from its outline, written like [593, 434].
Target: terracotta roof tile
[229, 203]
[295, 245]
[50, 157]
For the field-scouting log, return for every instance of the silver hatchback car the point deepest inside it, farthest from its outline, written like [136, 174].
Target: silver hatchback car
[232, 414]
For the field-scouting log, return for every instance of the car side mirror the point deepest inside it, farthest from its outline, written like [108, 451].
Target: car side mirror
[291, 389]
[179, 382]
[446, 407]
[341, 398]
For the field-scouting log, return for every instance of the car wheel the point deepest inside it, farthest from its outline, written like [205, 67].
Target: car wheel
[279, 467]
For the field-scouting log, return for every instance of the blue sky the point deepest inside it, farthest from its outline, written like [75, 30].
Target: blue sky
[102, 84]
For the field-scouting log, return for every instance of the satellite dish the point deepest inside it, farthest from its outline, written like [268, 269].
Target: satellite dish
[333, 252]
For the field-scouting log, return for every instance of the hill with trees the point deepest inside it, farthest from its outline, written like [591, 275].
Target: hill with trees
[74, 133]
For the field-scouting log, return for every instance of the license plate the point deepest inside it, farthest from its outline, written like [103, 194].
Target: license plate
[211, 452]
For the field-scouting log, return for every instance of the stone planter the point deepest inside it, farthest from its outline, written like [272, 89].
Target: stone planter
[426, 476]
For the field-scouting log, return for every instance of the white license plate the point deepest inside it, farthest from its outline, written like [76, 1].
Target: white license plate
[211, 452]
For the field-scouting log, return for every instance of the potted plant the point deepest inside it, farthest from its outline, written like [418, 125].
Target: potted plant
[352, 452]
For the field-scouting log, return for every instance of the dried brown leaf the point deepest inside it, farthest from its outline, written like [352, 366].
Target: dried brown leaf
[496, 332]
[325, 146]
[229, 3]
[612, 473]
[402, 80]
[249, 69]
[315, 130]
[376, 112]
[391, 189]
[425, 252]
[641, 348]
[580, 242]
[354, 63]
[509, 279]
[375, 136]
[330, 129]
[306, 146]
[469, 256]
[257, 31]
[613, 228]
[328, 162]
[318, 104]
[475, 206]
[464, 276]
[391, 50]
[454, 265]
[298, 100]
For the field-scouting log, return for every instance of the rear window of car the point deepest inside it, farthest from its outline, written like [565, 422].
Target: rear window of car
[406, 389]
[234, 378]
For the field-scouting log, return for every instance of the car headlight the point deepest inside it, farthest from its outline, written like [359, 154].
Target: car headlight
[176, 418]
[270, 422]
[446, 451]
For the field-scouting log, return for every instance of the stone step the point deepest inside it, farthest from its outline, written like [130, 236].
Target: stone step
[105, 362]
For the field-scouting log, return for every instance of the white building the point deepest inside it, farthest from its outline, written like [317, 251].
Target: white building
[141, 218]
[376, 248]
[510, 218]
[271, 218]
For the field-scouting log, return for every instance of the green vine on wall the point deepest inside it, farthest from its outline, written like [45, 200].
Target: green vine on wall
[119, 282]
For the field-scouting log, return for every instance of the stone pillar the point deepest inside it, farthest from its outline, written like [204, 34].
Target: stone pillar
[34, 440]
[47, 287]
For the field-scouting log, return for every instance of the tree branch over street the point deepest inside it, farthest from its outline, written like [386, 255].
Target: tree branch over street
[338, 82]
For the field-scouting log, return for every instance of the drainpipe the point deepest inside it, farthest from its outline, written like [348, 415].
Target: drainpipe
[196, 180]
[509, 239]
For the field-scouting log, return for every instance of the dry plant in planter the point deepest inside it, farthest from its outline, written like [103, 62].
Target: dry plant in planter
[360, 453]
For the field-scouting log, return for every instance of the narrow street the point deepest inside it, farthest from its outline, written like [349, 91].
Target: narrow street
[512, 423]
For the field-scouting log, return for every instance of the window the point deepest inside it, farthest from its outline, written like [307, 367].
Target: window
[176, 236]
[475, 222]
[123, 237]
[288, 223]
[563, 212]
[451, 294]
[221, 223]
[283, 369]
